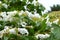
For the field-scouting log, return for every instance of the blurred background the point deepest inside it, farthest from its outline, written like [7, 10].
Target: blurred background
[49, 3]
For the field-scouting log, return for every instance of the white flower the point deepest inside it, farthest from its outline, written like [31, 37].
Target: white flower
[3, 14]
[7, 17]
[23, 31]
[0, 2]
[49, 23]
[12, 13]
[27, 12]
[21, 0]
[25, 7]
[42, 36]
[5, 5]
[47, 35]
[6, 27]
[12, 31]
[23, 24]
[30, 15]
[1, 34]
[21, 12]
[34, 15]
[56, 21]
[47, 18]
[37, 15]
[36, 3]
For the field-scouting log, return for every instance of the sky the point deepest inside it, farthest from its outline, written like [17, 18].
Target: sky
[48, 3]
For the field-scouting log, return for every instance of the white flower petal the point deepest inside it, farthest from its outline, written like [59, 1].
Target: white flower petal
[23, 31]
[42, 36]
[12, 31]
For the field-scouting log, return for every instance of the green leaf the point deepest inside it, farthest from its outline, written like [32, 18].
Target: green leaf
[31, 38]
[51, 37]
[30, 0]
[12, 37]
[5, 38]
[31, 7]
[24, 0]
[56, 32]
[31, 31]
[45, 15]
[43, 26]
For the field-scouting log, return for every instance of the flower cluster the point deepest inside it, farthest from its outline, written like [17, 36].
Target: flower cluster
[19, 22]
[23, 20]
[3, 5]
[25, 23]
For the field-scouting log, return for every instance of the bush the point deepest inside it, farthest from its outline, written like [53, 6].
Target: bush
[22, 20]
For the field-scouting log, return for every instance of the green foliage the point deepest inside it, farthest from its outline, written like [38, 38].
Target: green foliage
[15, 37]
[19, 5]
[34, 26]
[55, 8]
[2, 24]
[55, 33]
[30, 0]
[43, 28]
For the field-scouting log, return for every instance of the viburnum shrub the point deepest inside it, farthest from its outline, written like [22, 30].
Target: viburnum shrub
[23, 20]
